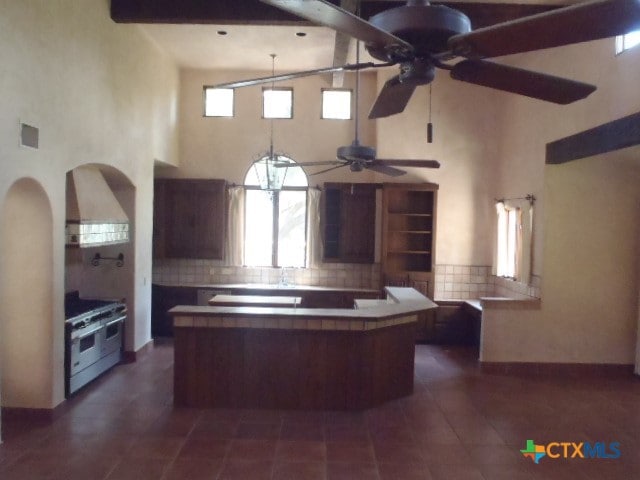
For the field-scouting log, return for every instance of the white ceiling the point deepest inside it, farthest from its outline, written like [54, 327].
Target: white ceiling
[247, 47]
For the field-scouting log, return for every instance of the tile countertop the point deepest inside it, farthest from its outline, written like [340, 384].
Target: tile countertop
[406, 302]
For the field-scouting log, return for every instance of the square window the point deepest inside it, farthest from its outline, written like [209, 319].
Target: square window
[218, 102]
[625, 42]
[277, 103]
[336, 104]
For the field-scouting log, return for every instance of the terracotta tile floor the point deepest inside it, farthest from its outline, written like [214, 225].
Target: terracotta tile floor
[459, 424]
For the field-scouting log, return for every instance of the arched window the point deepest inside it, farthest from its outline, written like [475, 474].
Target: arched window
[275, 220]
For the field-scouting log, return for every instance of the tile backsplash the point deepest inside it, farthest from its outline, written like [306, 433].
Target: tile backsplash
[189, 271]
[452, 282]
[463, 282]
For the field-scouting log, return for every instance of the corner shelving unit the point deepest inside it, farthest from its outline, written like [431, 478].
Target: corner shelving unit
[408, 234]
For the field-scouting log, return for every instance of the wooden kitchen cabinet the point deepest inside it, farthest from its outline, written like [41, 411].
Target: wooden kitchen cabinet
[163, 298]
[189, 218]
[408, 235]
[349, 222]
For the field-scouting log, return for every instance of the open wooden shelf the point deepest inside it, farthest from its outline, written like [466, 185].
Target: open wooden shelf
[408, 234]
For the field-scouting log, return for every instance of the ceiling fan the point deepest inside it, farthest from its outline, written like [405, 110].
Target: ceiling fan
[420, 37]
[359, 157]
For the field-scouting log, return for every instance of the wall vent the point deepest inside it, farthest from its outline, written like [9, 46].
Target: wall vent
[29, 135]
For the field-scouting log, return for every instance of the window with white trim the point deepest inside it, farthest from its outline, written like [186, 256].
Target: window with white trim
[275, 221]
[218, 102]
[277, 102]
[514, 236]
[336, 104]
[506, 258]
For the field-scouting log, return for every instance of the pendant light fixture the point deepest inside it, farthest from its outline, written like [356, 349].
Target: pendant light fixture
[270, 177]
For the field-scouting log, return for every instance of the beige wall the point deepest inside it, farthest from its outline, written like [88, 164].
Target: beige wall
[589, 293]
[99, 93]
[529, 125]
[226, 147]
[464, 144]
[26, 296]
[467, 123]
[587, 218]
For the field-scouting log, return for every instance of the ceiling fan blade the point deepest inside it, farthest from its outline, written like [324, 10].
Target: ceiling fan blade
[392, 99]
[307, 164]
[304, 73]
[329, 15]
[385, 169]
[409, 163]
[523, 82]
[327, 170]
[582, 22]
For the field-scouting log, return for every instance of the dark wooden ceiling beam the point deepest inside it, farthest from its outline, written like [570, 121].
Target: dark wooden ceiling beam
[609, 137]
[200, 12]
[241, 12]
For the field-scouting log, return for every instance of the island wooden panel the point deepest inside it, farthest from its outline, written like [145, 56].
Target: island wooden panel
[290, 369]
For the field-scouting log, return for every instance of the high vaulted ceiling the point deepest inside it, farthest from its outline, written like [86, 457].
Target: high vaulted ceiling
[189, 30]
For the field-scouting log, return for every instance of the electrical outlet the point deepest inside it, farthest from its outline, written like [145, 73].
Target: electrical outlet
[212, 271]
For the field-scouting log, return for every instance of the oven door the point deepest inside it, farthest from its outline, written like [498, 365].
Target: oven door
[86, 347]
[112, 334]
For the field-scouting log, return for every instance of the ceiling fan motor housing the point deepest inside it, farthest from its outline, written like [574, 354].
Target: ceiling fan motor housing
[355, 152]
[426, 27]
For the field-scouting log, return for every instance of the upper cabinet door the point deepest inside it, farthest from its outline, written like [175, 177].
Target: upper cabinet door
[349, 222]
[189, 218]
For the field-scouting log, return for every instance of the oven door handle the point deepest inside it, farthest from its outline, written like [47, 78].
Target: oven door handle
[117, 320]
[86, 334]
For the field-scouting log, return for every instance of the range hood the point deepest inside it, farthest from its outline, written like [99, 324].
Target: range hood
[94, 216]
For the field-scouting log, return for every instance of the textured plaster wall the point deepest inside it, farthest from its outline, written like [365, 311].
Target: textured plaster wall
[25, 326]
[465, 126]
[587, 218]
[466, 123]
[99, 93]
[226, 147]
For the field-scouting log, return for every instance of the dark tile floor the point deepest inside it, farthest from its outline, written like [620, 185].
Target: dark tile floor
[459, 424]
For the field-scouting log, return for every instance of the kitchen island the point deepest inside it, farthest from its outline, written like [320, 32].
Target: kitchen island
[296, 358]
[167, 295]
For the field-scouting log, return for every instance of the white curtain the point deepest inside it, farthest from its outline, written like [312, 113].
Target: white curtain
[314, 235]
[525, 252]
[500, 246]
[235, 227]
[513, 246]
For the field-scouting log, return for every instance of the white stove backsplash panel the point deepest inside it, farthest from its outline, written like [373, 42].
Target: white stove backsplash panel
[96, 234]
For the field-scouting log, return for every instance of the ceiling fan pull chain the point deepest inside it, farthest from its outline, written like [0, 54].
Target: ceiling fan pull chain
[429, 124]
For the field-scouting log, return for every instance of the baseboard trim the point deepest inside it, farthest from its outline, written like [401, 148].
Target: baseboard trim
[42, 414]
[581, 370]
[129, 356]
